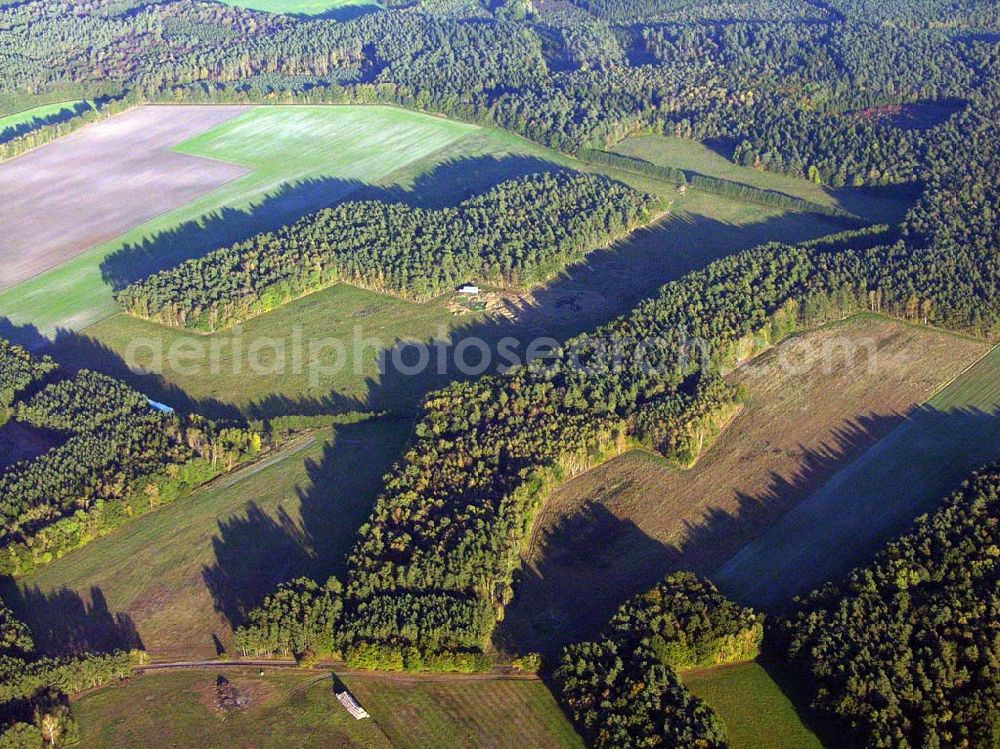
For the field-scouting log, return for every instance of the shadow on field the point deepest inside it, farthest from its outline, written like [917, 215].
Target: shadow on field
[608, 283]
[62, 623]
[844, 522]
[254, 552]
[63, 115]
[445, 185]
[590, 562]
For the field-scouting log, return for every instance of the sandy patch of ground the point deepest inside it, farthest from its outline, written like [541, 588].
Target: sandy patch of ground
[95, 184]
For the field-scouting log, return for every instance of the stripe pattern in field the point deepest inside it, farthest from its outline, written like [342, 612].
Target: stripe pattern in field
[877, 495]
[100, 181]
[293, 159]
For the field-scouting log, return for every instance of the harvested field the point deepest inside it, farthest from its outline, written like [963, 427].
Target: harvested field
[100, 181]
[616, 530]
[845, 522]
[298, 709]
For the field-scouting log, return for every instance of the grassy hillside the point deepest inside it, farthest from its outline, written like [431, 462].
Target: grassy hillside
[178, 579]
[874, 497]
[757, 714]
[299, 709]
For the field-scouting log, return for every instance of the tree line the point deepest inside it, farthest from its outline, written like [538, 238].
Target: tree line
[518, 233]
[114, 456]
[786, 87]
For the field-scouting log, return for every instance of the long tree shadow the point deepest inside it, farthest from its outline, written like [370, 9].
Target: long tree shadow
[846, 520]
[593, 559]
[65, 114]
[220, 228]
[255, 550]
[446, 184]
[63, 623]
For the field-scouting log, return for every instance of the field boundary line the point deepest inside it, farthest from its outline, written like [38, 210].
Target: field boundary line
[341, 669]
[944, 386]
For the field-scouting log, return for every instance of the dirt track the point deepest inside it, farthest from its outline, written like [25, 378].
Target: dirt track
[96, 183]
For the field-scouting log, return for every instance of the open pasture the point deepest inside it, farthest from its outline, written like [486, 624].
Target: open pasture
[877, 205]
[755, 710]
[874, 497]
[616, 530]
[292, 160]
[177, 580]
[298, 709]
[100, 181]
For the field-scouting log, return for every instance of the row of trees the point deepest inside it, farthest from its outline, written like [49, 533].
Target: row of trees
[520, 232]
[115, 456]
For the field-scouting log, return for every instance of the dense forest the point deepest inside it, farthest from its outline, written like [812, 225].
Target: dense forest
[623, 690]
[843, 92]
[789, 87]
[109, 455]
[518, 233]
[905, 652]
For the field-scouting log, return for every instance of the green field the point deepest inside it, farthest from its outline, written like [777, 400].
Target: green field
[757, 714]
[303, 7]
[877, 495]
[36, 113]
[608, 284]
[298, 709]
[328, 380]
[184, 572]
[694, 157]
[303, 158]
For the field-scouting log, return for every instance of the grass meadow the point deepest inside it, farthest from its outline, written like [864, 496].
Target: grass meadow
[179, 578]
[874, 497]
[298, 708]
[43, 112]
[694, 157]
[755, 710]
